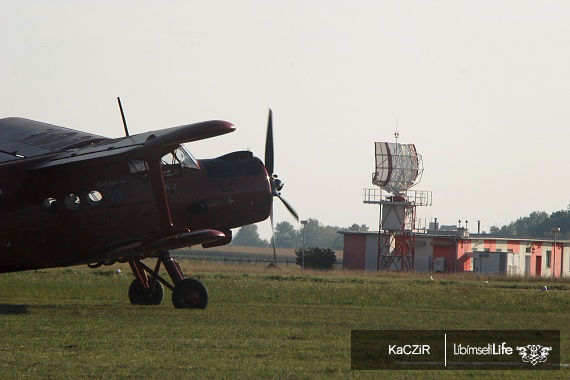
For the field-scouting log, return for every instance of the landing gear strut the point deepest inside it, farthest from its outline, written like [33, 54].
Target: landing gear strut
[186, 293]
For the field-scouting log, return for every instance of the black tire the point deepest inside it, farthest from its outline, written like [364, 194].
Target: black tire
[190, 294]
[138, 295]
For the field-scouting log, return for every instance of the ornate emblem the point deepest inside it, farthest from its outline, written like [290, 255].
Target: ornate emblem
[534, 353]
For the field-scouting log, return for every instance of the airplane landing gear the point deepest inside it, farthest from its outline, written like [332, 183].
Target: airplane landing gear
[139, 295]
[186, 293]
[190, 294]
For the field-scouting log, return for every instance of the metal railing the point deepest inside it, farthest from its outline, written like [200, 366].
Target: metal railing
[416, 197]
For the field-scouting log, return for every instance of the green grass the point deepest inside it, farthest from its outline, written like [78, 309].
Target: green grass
[260, 323]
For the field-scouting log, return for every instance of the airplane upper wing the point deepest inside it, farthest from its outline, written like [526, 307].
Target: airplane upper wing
[22, 138]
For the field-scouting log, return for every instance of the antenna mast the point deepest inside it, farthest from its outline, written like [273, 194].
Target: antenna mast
[396, 134]
[123, 116]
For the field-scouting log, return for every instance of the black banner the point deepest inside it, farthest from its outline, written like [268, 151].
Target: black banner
[455, 349]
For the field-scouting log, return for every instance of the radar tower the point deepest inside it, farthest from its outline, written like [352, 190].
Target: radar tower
[398, 168]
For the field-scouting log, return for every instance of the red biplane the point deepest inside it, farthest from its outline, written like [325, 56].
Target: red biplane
[70, 198]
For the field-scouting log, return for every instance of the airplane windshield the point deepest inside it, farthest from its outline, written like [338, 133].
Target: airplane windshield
[185, 158]
[175, 162]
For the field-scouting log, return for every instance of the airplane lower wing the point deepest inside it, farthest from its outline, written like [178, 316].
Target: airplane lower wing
[186, 239]
[181, 240]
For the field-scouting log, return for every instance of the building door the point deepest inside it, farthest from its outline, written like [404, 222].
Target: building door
[538, 270]
[477, 265]
[527, 265]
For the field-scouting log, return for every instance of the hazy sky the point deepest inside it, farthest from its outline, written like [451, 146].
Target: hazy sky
[481, 88]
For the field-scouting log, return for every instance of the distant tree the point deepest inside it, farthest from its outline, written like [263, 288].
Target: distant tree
[316, 258]
[285, 235]
[355, 227]
[319, 235]
[247, 236]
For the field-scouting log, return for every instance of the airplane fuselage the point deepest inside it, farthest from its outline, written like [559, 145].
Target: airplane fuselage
[79, 214]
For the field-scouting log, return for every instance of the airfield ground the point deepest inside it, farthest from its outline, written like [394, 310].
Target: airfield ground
[260, 323]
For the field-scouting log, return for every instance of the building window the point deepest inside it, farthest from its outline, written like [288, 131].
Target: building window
[548, 253]
[527, 250]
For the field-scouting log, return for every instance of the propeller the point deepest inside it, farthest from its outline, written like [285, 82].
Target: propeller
[276, 183]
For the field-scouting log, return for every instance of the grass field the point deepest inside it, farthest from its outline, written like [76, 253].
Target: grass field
[260, 323]
[242, 255]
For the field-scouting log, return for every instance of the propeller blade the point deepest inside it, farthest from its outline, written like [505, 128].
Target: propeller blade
[273, 239]
[269, 146]
[276, 184]
[289, 207]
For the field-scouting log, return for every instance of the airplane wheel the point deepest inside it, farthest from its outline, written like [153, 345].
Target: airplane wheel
[138, 295]
[190, 294]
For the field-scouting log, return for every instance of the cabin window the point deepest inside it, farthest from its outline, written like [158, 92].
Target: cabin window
[117, 194]
[139, 168]
[50, 205]
[72, 202]
[94, 198]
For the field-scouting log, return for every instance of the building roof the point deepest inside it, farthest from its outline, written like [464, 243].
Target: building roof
[461, 233]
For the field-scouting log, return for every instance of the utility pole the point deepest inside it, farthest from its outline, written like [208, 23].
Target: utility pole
[304, 223]
[554, 230]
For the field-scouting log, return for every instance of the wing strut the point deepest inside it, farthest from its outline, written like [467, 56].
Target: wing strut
[161, 199]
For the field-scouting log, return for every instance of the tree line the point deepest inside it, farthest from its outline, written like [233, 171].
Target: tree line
[537, 224]
[287, 236]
